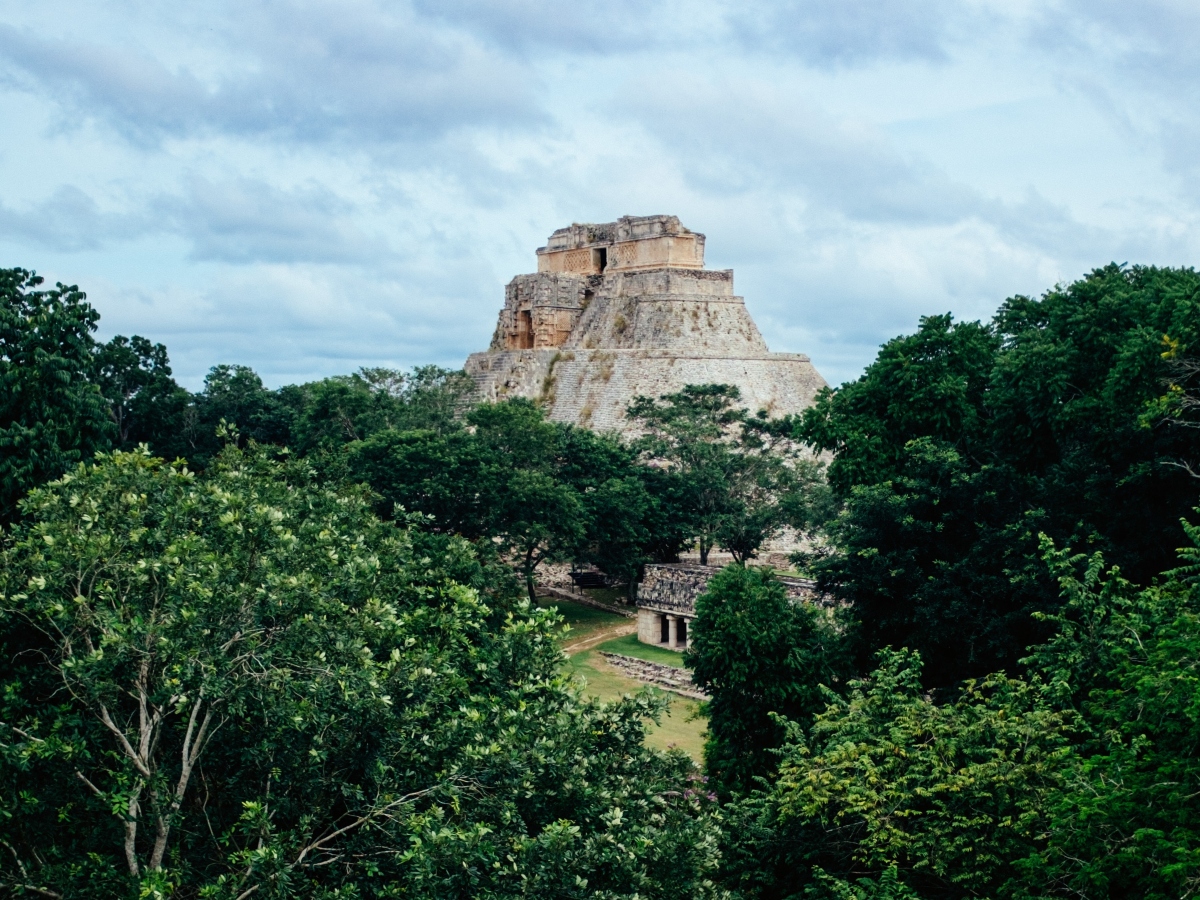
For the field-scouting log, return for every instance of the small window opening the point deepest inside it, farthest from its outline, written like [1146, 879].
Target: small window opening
[603, 258]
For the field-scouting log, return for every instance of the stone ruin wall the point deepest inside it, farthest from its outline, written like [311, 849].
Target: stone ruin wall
[672, 589]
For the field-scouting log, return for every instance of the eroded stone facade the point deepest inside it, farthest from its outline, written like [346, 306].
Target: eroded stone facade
[627, 308]
[666, 600]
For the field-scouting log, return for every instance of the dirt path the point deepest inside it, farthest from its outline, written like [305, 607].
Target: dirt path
[599, 637]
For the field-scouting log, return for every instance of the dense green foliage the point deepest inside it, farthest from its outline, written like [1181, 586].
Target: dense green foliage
[244, 681]
[134, 376]
[537, 490]
[962, 457]
[51, 413]
[737, 479]
[961, 443]
[1078, 780]
[759, 655]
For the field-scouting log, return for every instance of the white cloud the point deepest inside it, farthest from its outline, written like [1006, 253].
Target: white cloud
[307, 187]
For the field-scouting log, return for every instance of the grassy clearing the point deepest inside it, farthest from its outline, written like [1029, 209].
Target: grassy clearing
[629, 645]
[679, 728]
[584, 620]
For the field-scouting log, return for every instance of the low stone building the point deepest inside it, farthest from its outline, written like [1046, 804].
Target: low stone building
[666, 601]
[627, 308]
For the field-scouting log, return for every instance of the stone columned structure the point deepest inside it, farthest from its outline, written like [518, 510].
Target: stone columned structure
[627, 308]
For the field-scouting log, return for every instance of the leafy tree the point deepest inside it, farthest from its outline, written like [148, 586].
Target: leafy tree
[737, 479]
[758, 654]
[943, 559]
[145, 403]
[532, 512]
[235, 395]
[961, 442]
[52, 415]
[1124, 662]
[336, 411]
[538, 490]
[1079, 369]
[930, 384]
[627, 521]
[431, 397]
[502, 482]
[889, 786]
[773, 483]
[690, 431]
[622, 519]
[1078, 780]
[440, 476]
[244, 684]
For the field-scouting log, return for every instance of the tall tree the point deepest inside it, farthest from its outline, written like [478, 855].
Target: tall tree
[336, 411]
[690, 432]
[1078, 780]
[233, 396]
[759, 655]
[508, 479]
[52, 414]
[961, 442]
[738, 479]
[145, 403]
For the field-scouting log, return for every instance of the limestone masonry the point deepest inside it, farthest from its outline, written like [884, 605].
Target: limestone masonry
[666, 600]
[627, 308]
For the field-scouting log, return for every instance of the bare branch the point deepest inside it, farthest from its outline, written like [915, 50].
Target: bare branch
[95, 790]
[24, 885]
[123, 741]
[362, 820]
[24, 734]
[193, 743]
[131, 824]
[1182, 465]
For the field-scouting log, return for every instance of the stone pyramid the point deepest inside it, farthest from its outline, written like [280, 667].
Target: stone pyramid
[627, 308]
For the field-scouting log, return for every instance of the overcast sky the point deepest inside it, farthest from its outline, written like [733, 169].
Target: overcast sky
[310, 187]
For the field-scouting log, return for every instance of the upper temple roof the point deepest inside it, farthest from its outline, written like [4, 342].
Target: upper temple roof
[628, 244]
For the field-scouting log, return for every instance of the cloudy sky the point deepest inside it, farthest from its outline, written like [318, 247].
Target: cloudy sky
[310, 187]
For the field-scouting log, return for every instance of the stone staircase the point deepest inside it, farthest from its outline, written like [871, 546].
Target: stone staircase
[669, 678]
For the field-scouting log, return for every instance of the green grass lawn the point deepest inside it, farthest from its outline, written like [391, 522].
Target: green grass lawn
[584, 620]
[629, 645]
[679, 728]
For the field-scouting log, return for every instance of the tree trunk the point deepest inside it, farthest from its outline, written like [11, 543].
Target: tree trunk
[529, 568]
[703, 552]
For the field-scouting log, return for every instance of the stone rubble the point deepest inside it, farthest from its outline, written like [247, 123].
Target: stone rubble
[668, 678]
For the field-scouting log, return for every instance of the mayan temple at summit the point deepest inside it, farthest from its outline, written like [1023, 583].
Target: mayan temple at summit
[627, 308]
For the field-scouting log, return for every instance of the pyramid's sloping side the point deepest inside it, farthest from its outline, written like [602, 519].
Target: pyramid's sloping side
[592, 388]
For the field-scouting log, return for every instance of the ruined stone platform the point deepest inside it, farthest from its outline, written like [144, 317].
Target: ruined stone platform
[624, 309]
[668, 678]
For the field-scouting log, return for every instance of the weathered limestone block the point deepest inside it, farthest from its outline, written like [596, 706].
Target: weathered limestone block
[669, 677]
[649, 626]
[624, 309]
